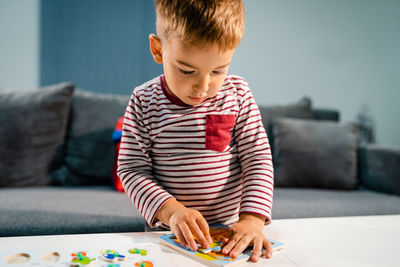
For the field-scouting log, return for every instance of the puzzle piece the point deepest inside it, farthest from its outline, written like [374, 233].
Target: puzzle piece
[18, 258]
[51, 257]
[217, 249]
[144, 264]
[81, 259]
[142, 252]
[111, 256]
[205, 250]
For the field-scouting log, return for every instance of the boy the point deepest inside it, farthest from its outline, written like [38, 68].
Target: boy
[193, 149]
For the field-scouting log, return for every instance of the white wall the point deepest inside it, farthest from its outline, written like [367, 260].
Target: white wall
[19, 44]
[342, 53]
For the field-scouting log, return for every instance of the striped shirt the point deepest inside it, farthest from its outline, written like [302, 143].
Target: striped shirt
[213, 157]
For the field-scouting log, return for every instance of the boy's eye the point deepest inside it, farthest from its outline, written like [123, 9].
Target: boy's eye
[218, 72]
[186, 72]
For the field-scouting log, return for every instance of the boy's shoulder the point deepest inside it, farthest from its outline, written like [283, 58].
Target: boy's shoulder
[236, 80]
[235, 85]
[148, 87]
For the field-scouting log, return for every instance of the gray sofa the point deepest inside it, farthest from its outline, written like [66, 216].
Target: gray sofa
[73, 193]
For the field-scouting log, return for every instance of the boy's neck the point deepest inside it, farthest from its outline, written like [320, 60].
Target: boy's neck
[173, 98]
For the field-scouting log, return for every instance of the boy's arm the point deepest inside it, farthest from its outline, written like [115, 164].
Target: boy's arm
[255, 159]
[135, 164]
[150, 199]
[257, 173]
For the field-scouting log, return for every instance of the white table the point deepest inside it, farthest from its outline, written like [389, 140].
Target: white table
[341, 241]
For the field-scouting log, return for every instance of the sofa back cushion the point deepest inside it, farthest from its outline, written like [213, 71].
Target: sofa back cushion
[89, 149]
[32, 130]
[300, 110]
[316, 154]
[380, 168]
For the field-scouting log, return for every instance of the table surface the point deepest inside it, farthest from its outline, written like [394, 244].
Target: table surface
[338, 241]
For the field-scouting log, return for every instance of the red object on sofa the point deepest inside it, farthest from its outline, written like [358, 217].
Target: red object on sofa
[117, 141]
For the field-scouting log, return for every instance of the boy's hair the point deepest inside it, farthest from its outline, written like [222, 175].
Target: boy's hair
[201, 22]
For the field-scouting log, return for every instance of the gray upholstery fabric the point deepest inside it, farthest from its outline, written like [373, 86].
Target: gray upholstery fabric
[380, 168]
[307, 203]
[326, 114]
[319, 154]
[66, 210]
[89, 151]
[300, 110]
[97, 209]
[32, 128]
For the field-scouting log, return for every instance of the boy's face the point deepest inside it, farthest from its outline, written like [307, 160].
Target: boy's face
[192, 73]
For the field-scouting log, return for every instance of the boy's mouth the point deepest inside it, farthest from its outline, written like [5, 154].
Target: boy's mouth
[197, 99]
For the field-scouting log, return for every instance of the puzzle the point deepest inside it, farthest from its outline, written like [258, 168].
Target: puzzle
[141, 255]
[213, 256]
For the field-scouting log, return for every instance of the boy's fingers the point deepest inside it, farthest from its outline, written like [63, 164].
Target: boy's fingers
[177, 231]
[257, 247]
[198, 233]
[188, 236]
[240, 246]
[268, 248]
[180, 237]
[230, 244]
[205, 229]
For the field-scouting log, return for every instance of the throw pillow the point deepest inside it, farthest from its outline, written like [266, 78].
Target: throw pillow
[299, 110]
[318, 154]
[89, 149]
[33, 125]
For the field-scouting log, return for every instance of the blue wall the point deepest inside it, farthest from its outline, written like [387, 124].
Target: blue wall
[344, 54]
[19, 44]
[100, 45]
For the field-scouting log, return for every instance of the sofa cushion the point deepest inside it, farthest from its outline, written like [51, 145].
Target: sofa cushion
[323, 114]
[310, 203]
[32, 129]
[319, 154]
[380, 168]
[51, 210]
[89, 149]
[100, 209]
[299, 110]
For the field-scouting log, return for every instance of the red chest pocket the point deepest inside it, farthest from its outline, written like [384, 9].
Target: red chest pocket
[218, 131]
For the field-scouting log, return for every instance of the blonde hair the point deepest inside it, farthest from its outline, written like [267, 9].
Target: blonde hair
[201, 22]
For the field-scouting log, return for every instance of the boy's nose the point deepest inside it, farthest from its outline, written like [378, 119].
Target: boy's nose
[201, 87]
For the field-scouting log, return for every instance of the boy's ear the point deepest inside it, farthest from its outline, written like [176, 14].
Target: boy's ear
[155, 48]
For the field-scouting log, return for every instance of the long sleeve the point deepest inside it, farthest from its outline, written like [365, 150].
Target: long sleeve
[135, 164]
[255, 157]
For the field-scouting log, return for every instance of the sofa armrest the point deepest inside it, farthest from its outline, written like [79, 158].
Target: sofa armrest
[380, 168]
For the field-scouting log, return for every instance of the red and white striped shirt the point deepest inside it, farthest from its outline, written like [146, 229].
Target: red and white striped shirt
[213, 157]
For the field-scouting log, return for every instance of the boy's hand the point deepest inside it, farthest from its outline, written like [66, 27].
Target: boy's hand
[185, 223]
[248, 231]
